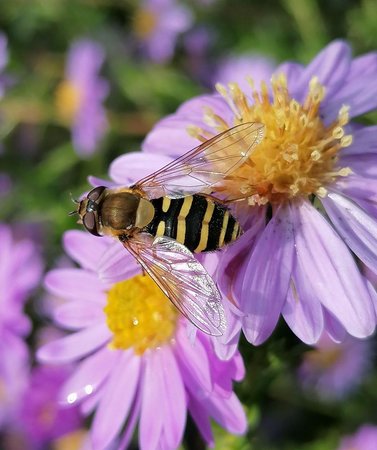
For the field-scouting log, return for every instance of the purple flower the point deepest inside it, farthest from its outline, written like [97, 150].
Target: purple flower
[20, 271]
[157, 24]
[333, 369]
[3, 62]
[40, 420]
[365, 438]
[79, 98]
[135, 361]
[240, 68]
[307, 194]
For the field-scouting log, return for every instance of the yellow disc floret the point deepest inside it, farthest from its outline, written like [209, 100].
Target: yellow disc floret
[139, 315]
[299, 154]
[144, 23]
[67, 99]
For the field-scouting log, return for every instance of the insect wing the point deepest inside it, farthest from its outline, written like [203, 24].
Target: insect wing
[182, 279]
[202, 167]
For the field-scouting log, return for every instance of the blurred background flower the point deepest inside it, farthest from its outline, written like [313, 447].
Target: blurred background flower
[20, 273]
[81, 84]
[135, 353]
[334, 370]
[157, 25]
[365, 438]
[79, 98]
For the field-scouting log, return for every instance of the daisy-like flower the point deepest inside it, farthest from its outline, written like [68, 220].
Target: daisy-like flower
[136, 363]
[306, 194]
[80, 97]
[39, 419]
[365, 438]
[20, 271]
[333, 370]
[157, 24]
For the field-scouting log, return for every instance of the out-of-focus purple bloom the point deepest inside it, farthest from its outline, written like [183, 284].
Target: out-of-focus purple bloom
[136, 357]
[197, 63]
[40, 420]
[3, 62]
[80, 96]
[333, 369]
[309, 194]
[157, 24]
[20, 271]
[365, 438]
[239, 68]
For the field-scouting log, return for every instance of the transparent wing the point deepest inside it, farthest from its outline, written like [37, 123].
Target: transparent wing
[204, 166]
[182, 279]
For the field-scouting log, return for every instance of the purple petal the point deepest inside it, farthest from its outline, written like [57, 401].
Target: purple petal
[364, 165]
[364, 142]
[131, 167]
[116, 400]
[74, 346]
[360, 95]
[77, 315]
[170, 136]
[332, 273]
[201, 418]
[228, 413]
[150, 425]
[355, 226]
[267, 278]
[75, 284]
[333, 327]
[84, 248]
[193, 360]
[331, 66]
[117, 264]
[174, 400]
[88, 376]
[302, 310]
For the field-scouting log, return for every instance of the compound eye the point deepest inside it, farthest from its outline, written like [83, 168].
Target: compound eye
[90, 223]
[95, 193]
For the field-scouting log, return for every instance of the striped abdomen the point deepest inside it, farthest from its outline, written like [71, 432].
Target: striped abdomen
[196, 221]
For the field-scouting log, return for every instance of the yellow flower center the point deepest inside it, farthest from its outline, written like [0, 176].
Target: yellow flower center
[324, 359]
[144, 23]
[139, 315]
[67, 100]
[299, 153]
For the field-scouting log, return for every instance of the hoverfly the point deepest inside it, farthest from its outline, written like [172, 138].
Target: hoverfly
[167, 216]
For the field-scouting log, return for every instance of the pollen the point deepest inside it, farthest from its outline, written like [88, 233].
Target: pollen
[139, 315]
[299, 154]
[67, 100]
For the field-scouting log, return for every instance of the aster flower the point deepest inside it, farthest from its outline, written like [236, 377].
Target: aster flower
[365, 438]
[20, 271]
[306, 195]
[333, 370]
[157, 24]
[238, 68]
[39, 419]
[135, 360]
[79, 98]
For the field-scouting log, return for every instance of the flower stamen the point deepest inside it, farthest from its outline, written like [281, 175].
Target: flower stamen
[299, 154]
[139, 315]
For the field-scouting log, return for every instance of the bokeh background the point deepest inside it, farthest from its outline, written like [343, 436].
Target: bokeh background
[134, 78]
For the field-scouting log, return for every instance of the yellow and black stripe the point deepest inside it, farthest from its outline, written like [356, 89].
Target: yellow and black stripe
[197, 221]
